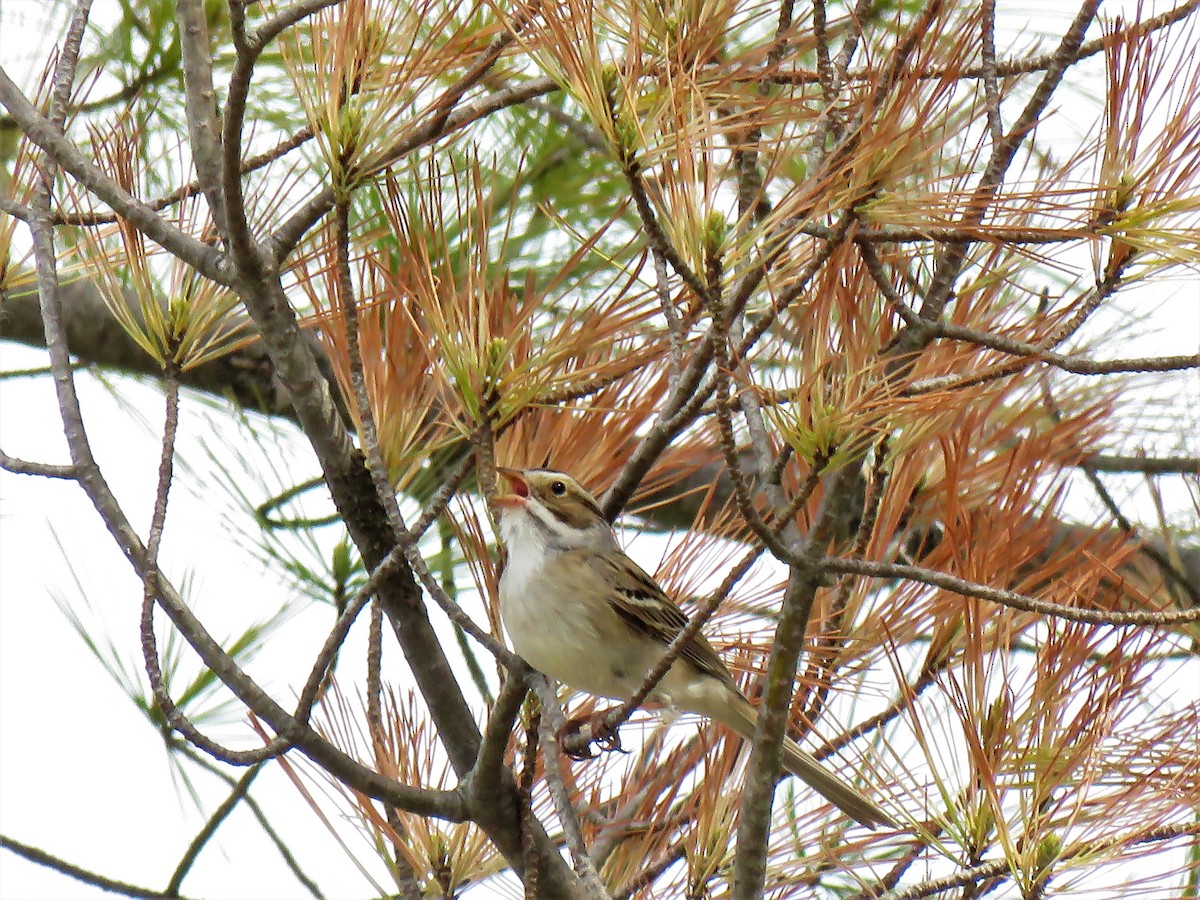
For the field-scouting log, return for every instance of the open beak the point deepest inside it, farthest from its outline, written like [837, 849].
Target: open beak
[518, 488]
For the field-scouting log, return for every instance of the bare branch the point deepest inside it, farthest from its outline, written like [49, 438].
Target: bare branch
[1011, 599]
[758, 794]
[1145, 465]
[272, 28]
[219, 815]
[989, 870]
[950, 264]
[563, 804]
[205, 259]
[1076, 365]
[203, 120]
[46, 470]
[991, 86]
[288, 235]
[1019, 66]
[42, 858]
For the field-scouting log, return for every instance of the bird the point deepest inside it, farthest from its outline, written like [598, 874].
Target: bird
[580, 611]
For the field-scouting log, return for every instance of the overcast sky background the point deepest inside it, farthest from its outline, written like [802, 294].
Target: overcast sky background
[71, 745]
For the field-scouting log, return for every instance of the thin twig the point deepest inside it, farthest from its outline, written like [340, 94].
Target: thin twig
[264, 822]
[174, 716]
[292, 15]
[455, 612]
[219, 815]
[68, 61]
[484, 778]
[560, 795]
[1144, 465]
[1011, 599]
[950, 264]
[337, 635]
[879, 275]
[46, 470]
[1082, 849]
[659, 242]
[347, 305]
[675, 326]
[375, 676]
[763, 768]
[528, 775]
[42, 858]
[991, 86]
[200, 107]
[724, 331]
[1076, 365]
[824, 65]
[442, 496]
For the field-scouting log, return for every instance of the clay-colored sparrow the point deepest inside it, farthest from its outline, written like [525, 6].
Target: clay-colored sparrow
[581, 611]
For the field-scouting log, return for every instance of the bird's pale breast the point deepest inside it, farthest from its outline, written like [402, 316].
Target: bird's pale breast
[558, 623]
[558, 619]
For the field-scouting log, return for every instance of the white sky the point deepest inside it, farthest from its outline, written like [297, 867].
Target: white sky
[70, 745]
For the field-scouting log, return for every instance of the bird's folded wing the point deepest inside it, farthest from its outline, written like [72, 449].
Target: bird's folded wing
[639, 600]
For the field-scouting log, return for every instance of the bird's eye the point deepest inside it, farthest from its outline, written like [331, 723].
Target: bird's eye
[557, 488]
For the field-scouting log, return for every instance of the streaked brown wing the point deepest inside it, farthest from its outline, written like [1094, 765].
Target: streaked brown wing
[643, 604]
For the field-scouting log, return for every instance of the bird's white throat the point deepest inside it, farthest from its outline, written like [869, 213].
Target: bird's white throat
[535, 529]
[526, 545]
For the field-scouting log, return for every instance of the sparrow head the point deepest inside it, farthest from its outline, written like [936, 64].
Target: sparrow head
[555, 505]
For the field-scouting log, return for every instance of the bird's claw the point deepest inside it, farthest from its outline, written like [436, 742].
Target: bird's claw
[578, 735]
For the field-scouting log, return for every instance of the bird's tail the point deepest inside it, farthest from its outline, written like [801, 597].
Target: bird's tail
[740, 716]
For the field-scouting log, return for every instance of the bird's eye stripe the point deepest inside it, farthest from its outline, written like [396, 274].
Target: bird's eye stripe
[569, 515]
[564, 501]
